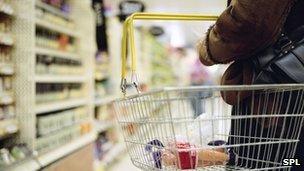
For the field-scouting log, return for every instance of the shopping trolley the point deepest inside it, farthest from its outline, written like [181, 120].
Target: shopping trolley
[257, 132]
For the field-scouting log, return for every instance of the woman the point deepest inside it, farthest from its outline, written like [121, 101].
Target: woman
[242, 30]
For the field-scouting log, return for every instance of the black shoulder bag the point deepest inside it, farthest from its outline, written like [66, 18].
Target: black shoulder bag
[282, 62]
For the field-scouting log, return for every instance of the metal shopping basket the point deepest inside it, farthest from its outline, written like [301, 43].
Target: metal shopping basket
[257, 132]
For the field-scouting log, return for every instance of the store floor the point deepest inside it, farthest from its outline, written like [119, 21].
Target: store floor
[124, 164]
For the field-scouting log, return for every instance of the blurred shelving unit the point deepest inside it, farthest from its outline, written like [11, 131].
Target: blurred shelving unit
[54, 49]
[9, 125]
[108, 145]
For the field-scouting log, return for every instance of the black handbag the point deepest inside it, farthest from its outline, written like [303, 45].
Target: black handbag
[282, 62]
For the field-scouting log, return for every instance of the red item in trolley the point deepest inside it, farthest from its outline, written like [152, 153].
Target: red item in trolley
[187, 156]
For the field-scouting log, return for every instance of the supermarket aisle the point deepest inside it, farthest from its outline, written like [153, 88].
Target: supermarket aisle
[124, 164]
[58, 78]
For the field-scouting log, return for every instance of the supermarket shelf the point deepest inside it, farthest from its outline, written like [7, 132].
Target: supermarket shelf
[6, 69]
[28, 164]
[67, 149]
[10, 125]
[59, 105]
[102, 126]
[57, 28]
[7, 136]
[101, 77]
[6, 8]
[6, 39]
[6, 99]
[51, 9]
[57, 53]
[59, 79]
[104, 100]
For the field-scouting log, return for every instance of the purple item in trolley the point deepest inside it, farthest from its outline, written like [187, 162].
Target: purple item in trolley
[155, 147]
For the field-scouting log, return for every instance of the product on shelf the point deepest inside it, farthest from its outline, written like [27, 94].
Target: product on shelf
[51, 122]
[54, 65]
[6, 38]
[7, 112]
[5, 24]
[8, 123]
[102, 69]
[6, 157]
[44, 15]
[6, 8]
[54, 40]
[49, 92]
[5, 55]
[59, 138]
[13, 154]
[101, 88]
[8, 127]
[61, 5]
[102, 66]
[104, 113]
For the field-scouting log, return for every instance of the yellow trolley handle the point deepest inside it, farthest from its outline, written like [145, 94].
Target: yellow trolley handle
[128, 38]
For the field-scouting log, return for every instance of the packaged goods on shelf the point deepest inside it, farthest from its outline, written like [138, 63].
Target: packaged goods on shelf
[8, 127]
[8, 123]
[61, 137]
[6, 69]
[54, 40]
[6, 36]
[5, 25]
[5, 85]
[13, 155]
[101, 88]
[48, 92]
[53, 65]
[5, 55]
[51, 122]
[7, 112]
[44, 15]
[102, 66]
[6, 39]
[102, 74]
[53, 91]
[57, 7]
[103, 113]
[6, 8]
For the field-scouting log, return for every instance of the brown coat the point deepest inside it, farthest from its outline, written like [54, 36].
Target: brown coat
[244, 28]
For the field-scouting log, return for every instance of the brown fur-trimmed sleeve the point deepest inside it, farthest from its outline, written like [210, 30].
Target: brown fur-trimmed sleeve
[246, 27]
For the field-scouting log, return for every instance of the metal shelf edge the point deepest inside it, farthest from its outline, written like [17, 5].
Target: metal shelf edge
[57, 53]
[59, 79]
[59, 105]
[66, 149]
[56, 28]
